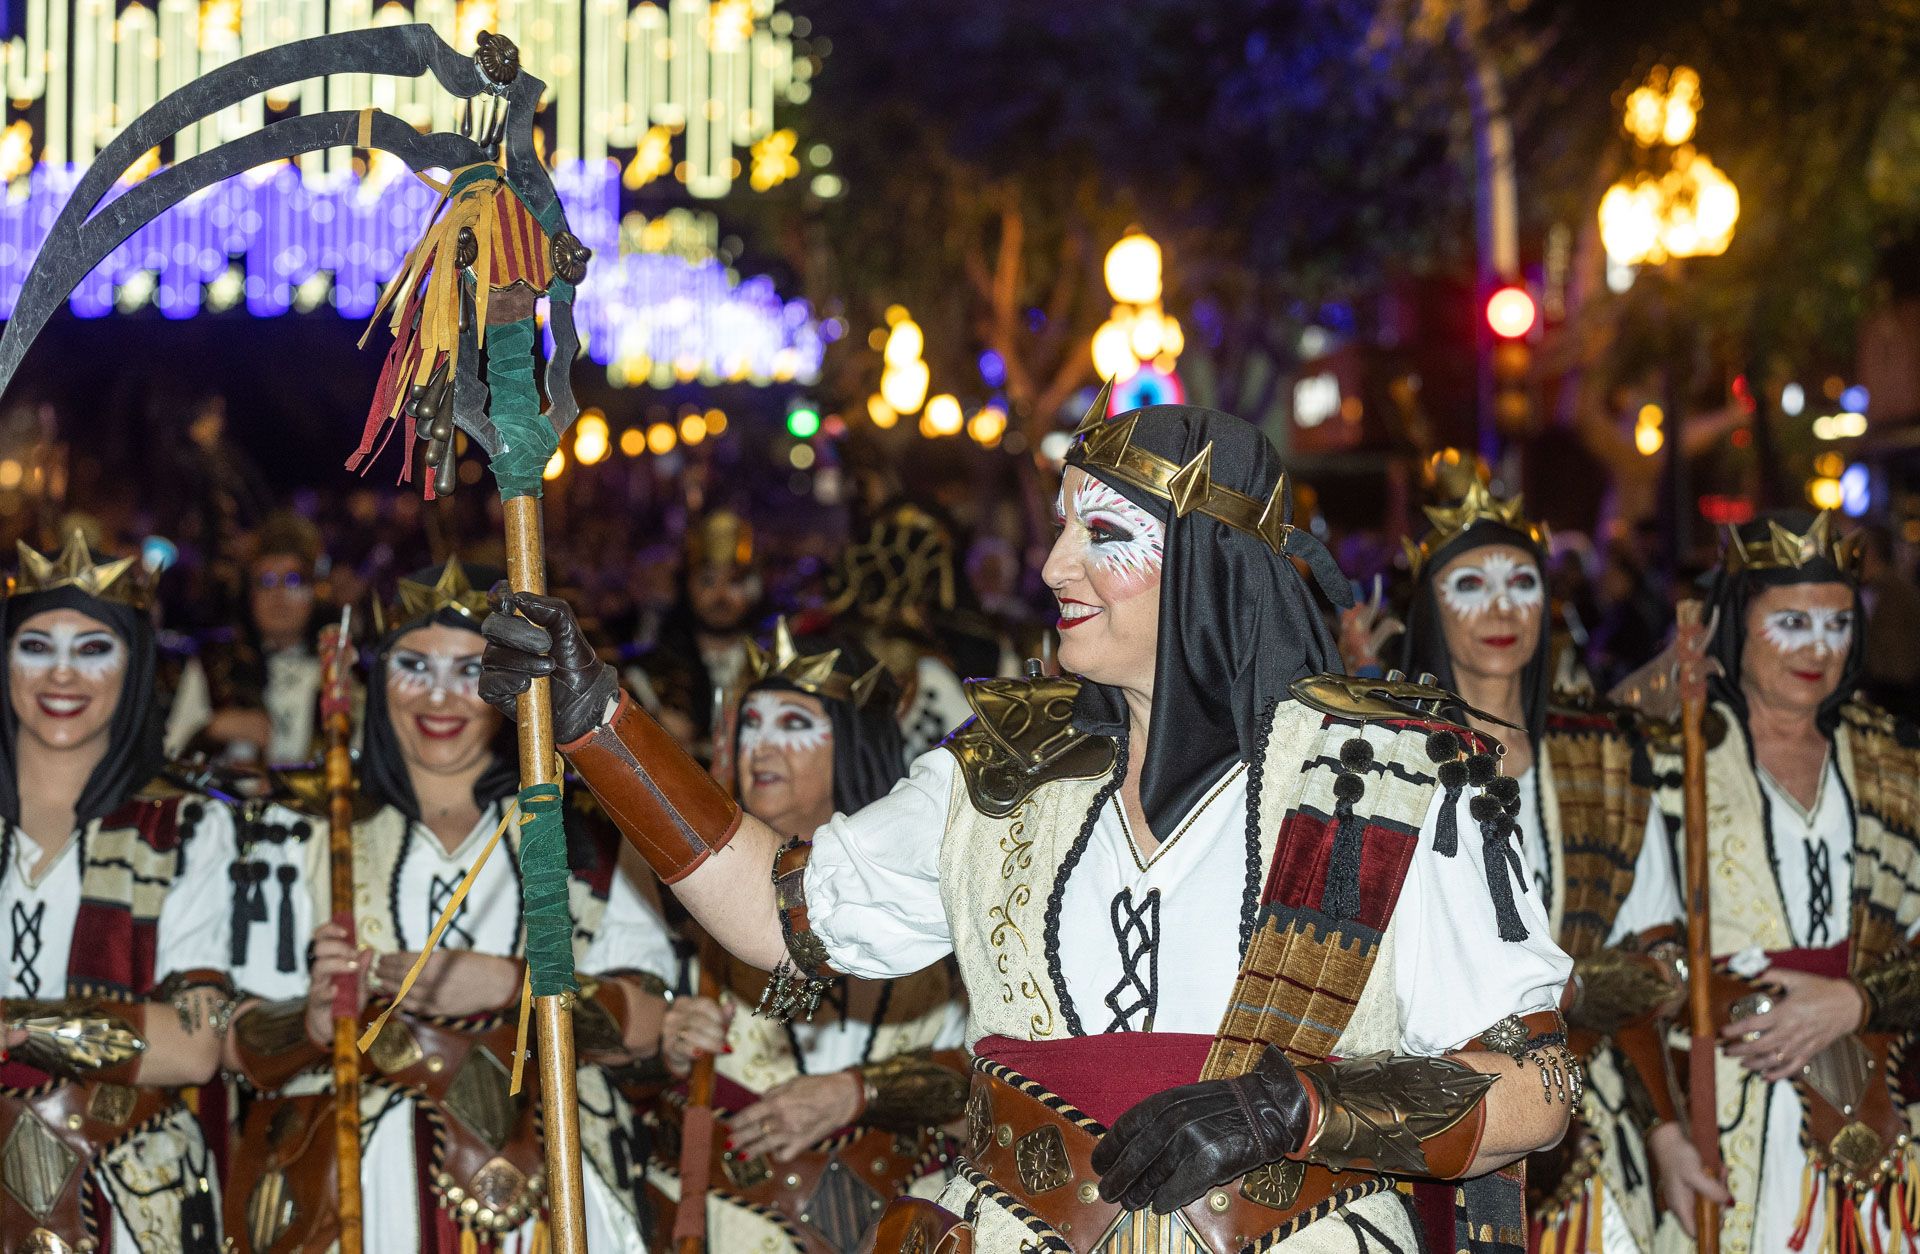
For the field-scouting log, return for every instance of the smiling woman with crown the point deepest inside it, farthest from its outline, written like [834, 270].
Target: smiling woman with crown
[1479, 622]
[1812, 839]
[112, 886]
[1238, 962]
[827, 1116]
[452, 1161]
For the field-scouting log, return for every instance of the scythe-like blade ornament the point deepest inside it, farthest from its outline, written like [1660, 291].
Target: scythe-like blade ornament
[90, 226]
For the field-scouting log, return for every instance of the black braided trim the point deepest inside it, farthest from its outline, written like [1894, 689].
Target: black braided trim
[1042, 1094]
[1051, 932]
[1256, 869]
[1044, 1237]
[1367, 1187]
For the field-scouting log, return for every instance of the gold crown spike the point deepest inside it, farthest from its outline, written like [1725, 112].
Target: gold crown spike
[811, 673]
[1781, 548]
[452, 591]
[1477, 506]
[1096, 412]
[1108, 449]
[118, 580]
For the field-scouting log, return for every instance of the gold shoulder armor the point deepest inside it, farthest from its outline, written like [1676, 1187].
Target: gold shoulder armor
[1022, 736]
[1350, 696]
[302, 788]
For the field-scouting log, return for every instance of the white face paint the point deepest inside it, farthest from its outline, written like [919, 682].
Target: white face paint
[1495, 581]
[1824, 631]
[91, 653]
[439, 676]
[772, 720]
[1123, 539]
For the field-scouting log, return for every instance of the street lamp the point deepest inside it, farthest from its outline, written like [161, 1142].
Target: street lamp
[1687, 210]
[1139, 331]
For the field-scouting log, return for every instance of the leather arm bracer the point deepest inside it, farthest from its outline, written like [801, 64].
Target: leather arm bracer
[1395, 1113]
[663, 801]
[912, 1091]
[81, 1038]
[1892, 994]
[270, 1043]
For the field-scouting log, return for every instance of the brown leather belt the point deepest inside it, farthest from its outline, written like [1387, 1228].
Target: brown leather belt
[50, 1138]
[829, 1195]
[1036, 1148]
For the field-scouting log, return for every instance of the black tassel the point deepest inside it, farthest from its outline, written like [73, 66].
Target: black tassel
[1446, 833]
[249, 907]
[199, 1226]
[1340, 895]
[1501, 859]
[1629, 1170]
[285, 958]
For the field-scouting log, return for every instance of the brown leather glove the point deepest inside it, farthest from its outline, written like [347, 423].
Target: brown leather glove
[530, 636]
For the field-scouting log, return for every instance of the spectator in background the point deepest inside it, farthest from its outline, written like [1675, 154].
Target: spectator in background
[1892, 667]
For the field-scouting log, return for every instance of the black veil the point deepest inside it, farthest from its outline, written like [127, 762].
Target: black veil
[868, 755]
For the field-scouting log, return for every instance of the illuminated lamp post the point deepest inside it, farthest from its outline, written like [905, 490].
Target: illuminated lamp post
[1139, 336]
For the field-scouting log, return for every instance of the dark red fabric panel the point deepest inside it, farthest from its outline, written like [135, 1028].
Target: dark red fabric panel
[1104, 1075]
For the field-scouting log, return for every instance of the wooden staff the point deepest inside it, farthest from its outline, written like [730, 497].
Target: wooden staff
[552, 1015]
[336, 716]
[1704, 1051]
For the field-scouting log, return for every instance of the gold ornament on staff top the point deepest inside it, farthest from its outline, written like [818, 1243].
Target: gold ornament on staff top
[812, 673]
[1476, 507]
[1108, 447]
[1782, 549]
[117, 580]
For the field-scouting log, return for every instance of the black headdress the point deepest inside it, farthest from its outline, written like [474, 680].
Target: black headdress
[1479, 521]
[1238, 619]
[859, 697]
[1774, 551]
[383, 770]
[134, 755]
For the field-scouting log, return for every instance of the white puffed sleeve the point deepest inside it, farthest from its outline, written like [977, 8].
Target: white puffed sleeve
[633, 932]
[1453, 975]
[195, 926]
[1654, 900]
[873, 882]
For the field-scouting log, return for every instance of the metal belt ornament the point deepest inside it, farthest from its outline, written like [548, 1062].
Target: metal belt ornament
[497, 243]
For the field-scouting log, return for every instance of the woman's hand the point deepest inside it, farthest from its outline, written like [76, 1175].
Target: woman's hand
[1810, 1012]
[691, 1027]
[454, 982]
[795, 1115]
[1676, 1165]
[333, 954]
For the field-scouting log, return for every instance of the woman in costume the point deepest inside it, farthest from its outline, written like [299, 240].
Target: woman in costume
[452, 1162]
[1479, 624]
[1815, 852]
[112, 884]
[1150, 1066]
[831, 1117]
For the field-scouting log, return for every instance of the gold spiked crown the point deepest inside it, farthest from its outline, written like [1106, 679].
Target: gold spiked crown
[118, 580]
[1476, 507]
[723, 539]
[1107, 447]
[451, 591]
[812, 673]
[1782, 549]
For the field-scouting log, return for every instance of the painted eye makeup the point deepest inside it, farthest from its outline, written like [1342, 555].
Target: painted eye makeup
[92, 654]
[766, 720]
[1497, 582]
[1122, 537]
[1826, 632]
[427, 672]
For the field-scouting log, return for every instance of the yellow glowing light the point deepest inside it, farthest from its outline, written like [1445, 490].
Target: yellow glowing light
[1824, 492]
[219, 21]
[987, 426]
[896, 313]
[729, 25]
[944, 416]
[716, 422]
[801, 456]
[1113, 352]
[471, 17]
[633, 442]
[1133, 270]
[652, 159]
[590, 444]
[16, 151]
[11, 474]
[1172, 339]
[1147, 335]
[905, 387]
[773, 160]
[693, 429]
[661, 438]
[1690, 210]
[905, 343]
[555, 464]
[883, 414]
[1648, 440]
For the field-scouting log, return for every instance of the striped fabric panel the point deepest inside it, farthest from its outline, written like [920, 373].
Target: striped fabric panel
[520, 253]
[1297, 989]
[1603, 822]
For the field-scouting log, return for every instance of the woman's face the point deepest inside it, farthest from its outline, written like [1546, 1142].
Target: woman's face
[433, 700]
[281, 597]
[1492, 604]
[1105, 572]
[1798, 637]
[66, 670]
[786, 760]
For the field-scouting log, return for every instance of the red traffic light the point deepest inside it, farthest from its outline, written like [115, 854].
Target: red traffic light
[1511, 313]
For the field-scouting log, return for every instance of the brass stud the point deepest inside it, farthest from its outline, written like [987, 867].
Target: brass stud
[470, 1207]
[1218, 1201]
[879, 1165]
[74, 1122]
[792, 1182]
[436, 1064]
[1089, 1193]
[486, 1216]
[1004, 1134]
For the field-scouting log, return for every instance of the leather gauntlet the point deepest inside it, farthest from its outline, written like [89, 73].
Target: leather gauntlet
[1615, 987]
[1395, 1113]
[663, 802]
[81, 1039]
[271, 1044]
[1892, 992]
[600, 1017]
[909, 1092]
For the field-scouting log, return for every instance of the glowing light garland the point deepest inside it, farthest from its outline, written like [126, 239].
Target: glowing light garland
[276, 242]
